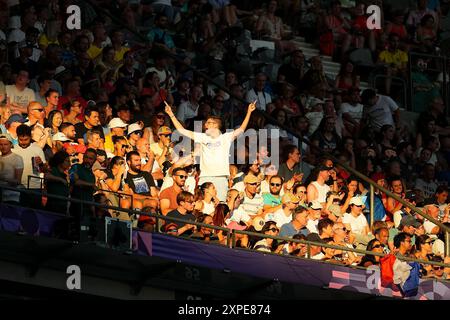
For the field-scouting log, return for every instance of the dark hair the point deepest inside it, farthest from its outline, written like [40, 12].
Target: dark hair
[420, 241]
[268, 225]
[65, 125]
[49, 92]
[115, 160]
[132, 153]
[116, 139]
[367, 95]
[323, 224]
[288, 150]
[51, 115]
[183, 196]
[220, 214]
[296, 186]
[174, 171]
[200, 191]
[58, 158]
[441, 188]
[88, 111]
[200, 219]
[425, 18]
[44, 77]
[399, 238]
[91, 150]
[23, 130]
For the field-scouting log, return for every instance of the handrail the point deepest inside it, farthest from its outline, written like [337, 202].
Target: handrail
[284, 127]
[231, 232]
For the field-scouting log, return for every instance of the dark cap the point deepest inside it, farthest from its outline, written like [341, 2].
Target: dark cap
[408, 221]
[314, 237]
[15, 118]
[411, 196]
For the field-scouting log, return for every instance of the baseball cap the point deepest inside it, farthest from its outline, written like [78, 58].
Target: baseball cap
[117, 123]
[164, 130]
[133, 128]
[289, 197]
[59, 136]
[15, 118]
[335, 209]
[408, 221]
[357, 201]
[315, 205]
[4, 136]
[250, 178]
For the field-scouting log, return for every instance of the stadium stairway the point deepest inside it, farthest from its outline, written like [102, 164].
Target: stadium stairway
[331, 68]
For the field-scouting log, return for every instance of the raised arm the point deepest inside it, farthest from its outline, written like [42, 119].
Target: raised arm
[177, 124]
[241, 129]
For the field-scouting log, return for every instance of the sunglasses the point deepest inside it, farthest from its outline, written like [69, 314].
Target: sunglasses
[172, 230]
[273, 230]
[377, 246]
[182, 176]
[139, 133]
[166, 135]
[255, 184]
[357, 206]
[301, 191]
[40, 110]
[275, 184]
[123, 146]
[439, 268]
[429, 242]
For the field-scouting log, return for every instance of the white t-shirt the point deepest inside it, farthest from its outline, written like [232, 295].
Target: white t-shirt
[311, 225]
[251, 206]
[357, 224]
[185, 111]
[8, 166]
[22, 98]
[214, 154]
[429, 226]
[355, 112]
[428, 188]
[381, 113]
[28, 164]
[280, 218]
[262, 99]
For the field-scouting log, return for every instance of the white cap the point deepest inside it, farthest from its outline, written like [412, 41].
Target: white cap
[134, 127]
[60, 137]
[357, 201]
[117, 123]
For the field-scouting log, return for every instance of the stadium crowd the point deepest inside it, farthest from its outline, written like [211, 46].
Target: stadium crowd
[97, 115]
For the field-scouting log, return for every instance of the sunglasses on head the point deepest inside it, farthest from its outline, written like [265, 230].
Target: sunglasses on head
[275, 184]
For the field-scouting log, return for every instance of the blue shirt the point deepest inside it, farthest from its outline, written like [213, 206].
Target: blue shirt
[158, 35]
[288, 230]
[270, 199]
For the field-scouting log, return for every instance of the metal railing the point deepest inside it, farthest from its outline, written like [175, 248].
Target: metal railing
[231, 233]
[395, 80]
[284, 127]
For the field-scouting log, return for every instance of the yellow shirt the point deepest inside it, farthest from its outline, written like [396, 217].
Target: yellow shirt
[44, 41]
[94, 52]
[119, 54]
[398, 57]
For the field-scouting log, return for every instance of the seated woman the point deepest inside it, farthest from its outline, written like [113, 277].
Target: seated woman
[424, 251]
[204, 233]
[57, 182]
[267, 244]
[347, 77]
[369, 260]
